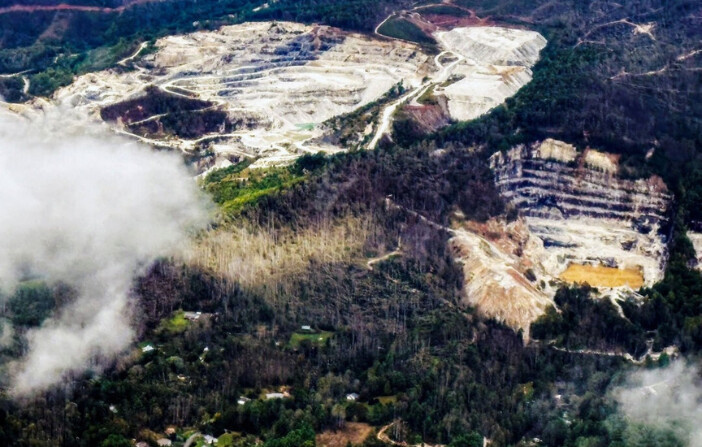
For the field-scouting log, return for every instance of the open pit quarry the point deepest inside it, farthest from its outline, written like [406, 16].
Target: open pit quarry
[260, 88]
[264, 90]
[494, 64]
[579, 223]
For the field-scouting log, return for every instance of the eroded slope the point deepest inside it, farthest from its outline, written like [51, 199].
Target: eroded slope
[499, 280]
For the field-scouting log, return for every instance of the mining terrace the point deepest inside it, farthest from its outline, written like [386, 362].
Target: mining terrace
[264, 90]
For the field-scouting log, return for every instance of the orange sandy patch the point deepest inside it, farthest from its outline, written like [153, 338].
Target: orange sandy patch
[601, 276]
[353, 432]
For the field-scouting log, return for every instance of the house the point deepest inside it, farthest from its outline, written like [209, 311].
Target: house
[170, 431]
[164, 442]
[147, 348]
[192, 316]
[209, 440]
[242, 400]
[141, 444]
[306, 327]
[352, 396]
[270, 396]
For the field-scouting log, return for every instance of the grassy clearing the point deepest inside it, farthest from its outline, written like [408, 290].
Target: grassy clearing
[236, 187]
[314, 338]
[405, 30]
[175, 324]
[601, 276]
[354, 433]
[387, 400]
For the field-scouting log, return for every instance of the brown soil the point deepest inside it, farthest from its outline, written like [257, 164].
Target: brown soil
[447, 22]
[429, 118]
[353, 432]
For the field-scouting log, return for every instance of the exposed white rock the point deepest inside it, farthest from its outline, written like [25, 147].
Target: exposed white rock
[556, 150]
[278, 80]
[696, 239]
[492, 45]
[584, 213]
[497, 63]
[598, 241]
[495, 282]
[284, 77]
[482, 89]
[574, 210]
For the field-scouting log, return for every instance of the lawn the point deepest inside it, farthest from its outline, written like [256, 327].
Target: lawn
[315, 338]
[386, 400]
[175, 324]
[405, 30]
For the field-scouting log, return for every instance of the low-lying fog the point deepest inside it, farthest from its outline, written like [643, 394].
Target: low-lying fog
[85, 208]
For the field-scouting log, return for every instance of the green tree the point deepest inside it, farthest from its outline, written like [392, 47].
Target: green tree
[116, 441]
[472, 439]
[302, 437]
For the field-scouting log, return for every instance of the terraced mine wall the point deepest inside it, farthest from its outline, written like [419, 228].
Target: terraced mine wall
[579, 222]
[264, 91]
[585, 214]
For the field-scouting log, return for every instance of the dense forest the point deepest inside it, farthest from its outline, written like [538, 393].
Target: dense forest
[319, 328]
[393, 334]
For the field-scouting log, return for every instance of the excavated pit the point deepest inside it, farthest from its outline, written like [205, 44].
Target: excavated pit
[273, 81]
[497, 63]
[580, 222]
[583, 212]
[262, 90]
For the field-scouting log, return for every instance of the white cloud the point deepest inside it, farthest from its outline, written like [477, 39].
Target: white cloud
[86, 208]
[666, 398]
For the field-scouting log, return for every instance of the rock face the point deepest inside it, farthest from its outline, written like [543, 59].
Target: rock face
[582, 211]
[492, 45]
[497, 64]
[580, 222]
[696, 239]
